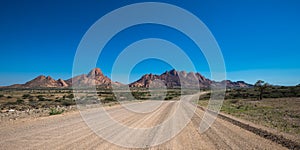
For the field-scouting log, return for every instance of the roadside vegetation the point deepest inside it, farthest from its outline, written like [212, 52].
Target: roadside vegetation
[55, 111]
[271, 106]
[274, 106]
[25, 99]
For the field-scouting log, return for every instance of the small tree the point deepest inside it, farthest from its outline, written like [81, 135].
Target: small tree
[260, 86]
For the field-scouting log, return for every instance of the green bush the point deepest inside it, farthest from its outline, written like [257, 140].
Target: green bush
[109, 98]
[55, 111]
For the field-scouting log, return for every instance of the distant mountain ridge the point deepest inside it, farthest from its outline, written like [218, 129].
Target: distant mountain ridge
[170, 79]
[94, 77]
[173, 79]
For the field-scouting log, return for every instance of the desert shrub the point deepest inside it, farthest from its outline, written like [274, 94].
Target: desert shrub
[20, 101]
[108, 99]
[58, 100]
[34, 104]
[31, 100]
[276, 95]
[168, 98]
[136, 95]
[269, 92]
[234, 101]
[42, 99]
[10, 103]
[289, 94]
[205, 96]
[140, 95]
[55, 111]
[26, 96]
[71, 96]
[68, 102]
[39, 96]
[1, 95]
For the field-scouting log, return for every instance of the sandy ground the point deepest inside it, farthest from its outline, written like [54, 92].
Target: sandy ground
[70, 131]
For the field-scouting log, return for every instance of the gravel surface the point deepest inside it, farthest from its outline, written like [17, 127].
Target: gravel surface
[69, 131]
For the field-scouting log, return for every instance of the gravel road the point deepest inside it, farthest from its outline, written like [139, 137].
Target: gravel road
[70, 131]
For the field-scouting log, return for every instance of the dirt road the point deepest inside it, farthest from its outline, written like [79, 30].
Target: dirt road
[69, 131]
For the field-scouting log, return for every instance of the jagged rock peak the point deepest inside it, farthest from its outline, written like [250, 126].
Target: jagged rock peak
[62, 83]
[41, 77]
[49, 78]
[95, 72]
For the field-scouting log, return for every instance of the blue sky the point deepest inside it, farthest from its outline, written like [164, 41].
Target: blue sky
[259, 39]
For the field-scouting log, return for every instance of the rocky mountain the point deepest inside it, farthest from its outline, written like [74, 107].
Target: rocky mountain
[42, 82]
[173, 79]
[94, 77]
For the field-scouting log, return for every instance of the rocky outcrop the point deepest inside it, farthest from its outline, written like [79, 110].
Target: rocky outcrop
[62, 83]
[42, 82]
[94, 77]
[173, 79]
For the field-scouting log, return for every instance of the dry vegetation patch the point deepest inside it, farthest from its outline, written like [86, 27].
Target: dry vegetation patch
[282, 114]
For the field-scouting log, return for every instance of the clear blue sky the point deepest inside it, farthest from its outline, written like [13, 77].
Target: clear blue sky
[259, 39]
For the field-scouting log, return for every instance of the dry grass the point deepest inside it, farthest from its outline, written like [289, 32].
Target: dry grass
[282, 114]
